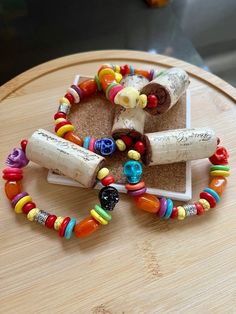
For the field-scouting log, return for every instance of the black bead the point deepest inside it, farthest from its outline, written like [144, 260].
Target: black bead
[109, 197]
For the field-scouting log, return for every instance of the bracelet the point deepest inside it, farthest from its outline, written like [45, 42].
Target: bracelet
[22, 201]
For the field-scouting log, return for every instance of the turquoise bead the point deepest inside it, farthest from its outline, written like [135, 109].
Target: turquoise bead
[86, 142]
[131, 70]
[133, 171]
[70, 228]
[169, 209]
[213, 193]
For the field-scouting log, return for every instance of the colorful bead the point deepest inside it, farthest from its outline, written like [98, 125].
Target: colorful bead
[32, 214]
[133, 171]
[118, 77]
[102, 173]
[174, 213]
[181, 213]
[57, 121]
[134, 187]
[77, 89]
[115, 89]
[109, 88]
[19, 205]
[12, 188]
[120, 145]
[109, 197]
[91, 144]
[205, 204]
[117, 68]
[63, 226]
[142, 72]
[137, 192]
[127, 140]
[17, 159]
[58, 223]
[27, 207]
[86, 227]
[220, 157]
[64, 100]
[218, 184]
[64, 108]
[60, 124]
[12, 174]
[23, 145]
[190, 210]
[152, 101]
[106, 71]
[70, 98]
[207, 196]
[64, 129]
[17, 198]
[70, 136]
[41, 217]
[97, 217]
[163, 208]
[105, 215]
[200, 209]
[140, 147]
[148, 202]
[220, 167]
[51, 221]
[108, 180]
[70, 228]
[168, 209]
[74, 93]
[86, 142]
[213, 193]
[105, 146]
[99, 86]
[133, 154]
[142, 101]
[219, 173]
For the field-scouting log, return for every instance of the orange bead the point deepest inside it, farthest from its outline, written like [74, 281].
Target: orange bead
[12, 188]
[142, 72]
[106, 80]
[218, 184]
[88, 87]
[70, 136]
[147, 202]
[86, 227]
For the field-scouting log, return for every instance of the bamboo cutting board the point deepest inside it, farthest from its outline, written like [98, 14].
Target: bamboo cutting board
[136, 264]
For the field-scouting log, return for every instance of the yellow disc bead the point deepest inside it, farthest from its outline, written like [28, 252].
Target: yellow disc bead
[181, 213]
[142, 101]
[64, 100]
[21, 203]
[102, 173]
[120, 145]
[32, 214]
[133, 154]
[58, 223]
[118, 77]
[104, 72]
[64, 129]
[117, 68]
[219, 173]
[205, 204]
[97, 217]
[59, 120]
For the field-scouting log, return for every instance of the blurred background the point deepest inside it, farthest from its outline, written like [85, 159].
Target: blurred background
[201, 32]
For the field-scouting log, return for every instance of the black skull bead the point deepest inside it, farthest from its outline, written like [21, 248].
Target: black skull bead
[109, 197]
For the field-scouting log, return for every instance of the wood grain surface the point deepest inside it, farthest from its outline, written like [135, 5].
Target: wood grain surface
[136, 264]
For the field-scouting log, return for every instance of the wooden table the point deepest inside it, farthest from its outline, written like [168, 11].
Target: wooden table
[137, 264]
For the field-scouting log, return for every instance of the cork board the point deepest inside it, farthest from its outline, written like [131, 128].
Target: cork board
[94, 117]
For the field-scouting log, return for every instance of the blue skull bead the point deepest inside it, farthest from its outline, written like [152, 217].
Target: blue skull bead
[133, 171]
[105, 146]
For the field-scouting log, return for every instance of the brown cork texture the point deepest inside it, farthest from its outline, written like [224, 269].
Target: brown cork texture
[94, 116]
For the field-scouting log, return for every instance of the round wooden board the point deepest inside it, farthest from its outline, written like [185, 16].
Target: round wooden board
[136, 264]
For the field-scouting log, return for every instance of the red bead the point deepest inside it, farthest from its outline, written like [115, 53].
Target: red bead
[63, 226]
[140, 147]
[207, 196]
[122, 69]
[200, 209]
[108, 180]
[70, 98]
[50, 221]
[126, 69]
[60, 124]
[88, 87]
[59, 115]
[23, 144]
[220, 157]
[127, 140]
[27, 207]
[12, 174]
[152, 101]
[174, 213]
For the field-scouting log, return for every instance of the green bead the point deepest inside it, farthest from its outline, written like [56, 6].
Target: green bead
[220, 167]
[109, 88]
[98, 83]
[102, 213]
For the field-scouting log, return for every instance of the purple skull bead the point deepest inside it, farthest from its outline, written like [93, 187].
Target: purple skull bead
[17, 159]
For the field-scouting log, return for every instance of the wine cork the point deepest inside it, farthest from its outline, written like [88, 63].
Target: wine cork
[178, 145]
[130, 121]
[168, 87]
[55, 153]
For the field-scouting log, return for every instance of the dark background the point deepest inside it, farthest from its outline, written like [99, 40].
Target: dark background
[199, 32]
